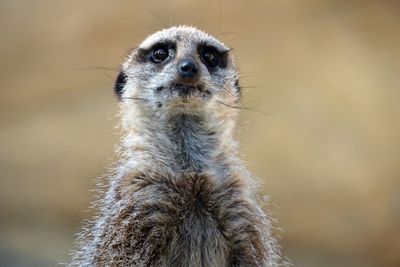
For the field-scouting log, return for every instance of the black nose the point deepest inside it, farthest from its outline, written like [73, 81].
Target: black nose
[188, 68]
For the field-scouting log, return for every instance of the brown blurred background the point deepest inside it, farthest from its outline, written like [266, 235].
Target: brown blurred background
[327, 72]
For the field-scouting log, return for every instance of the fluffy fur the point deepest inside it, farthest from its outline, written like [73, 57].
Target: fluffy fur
[179, 195]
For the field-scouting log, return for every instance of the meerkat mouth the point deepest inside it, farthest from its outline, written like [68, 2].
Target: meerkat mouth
[187, 91]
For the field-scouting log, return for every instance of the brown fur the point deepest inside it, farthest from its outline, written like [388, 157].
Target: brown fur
[179, 196]
[170, 226]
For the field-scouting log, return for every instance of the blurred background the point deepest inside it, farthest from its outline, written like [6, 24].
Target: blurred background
[326, 73]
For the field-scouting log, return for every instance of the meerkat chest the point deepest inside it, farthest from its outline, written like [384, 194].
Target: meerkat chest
[184, 222]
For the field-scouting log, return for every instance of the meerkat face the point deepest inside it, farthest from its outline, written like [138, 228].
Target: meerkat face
[180, 69]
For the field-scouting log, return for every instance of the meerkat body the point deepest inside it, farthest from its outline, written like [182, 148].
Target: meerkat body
[179, 196]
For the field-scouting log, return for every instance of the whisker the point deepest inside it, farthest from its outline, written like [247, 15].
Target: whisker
[204, 13]
[251, 86]
[157, 17]
[247, 108]
[232, 33]
[98, 68]
[135, 98]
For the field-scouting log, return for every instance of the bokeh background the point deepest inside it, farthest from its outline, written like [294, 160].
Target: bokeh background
[325, 73]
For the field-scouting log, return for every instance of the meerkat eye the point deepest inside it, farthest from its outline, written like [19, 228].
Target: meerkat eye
[210, 57]
[160, 53]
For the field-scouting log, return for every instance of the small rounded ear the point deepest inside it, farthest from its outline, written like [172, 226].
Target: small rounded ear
[120, 84]
[237, 88]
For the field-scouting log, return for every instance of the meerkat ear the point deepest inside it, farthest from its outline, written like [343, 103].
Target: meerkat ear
[237, 88]
[120, 84]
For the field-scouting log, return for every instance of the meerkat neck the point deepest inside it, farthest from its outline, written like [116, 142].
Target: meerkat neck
[194, 142]
[183, 142]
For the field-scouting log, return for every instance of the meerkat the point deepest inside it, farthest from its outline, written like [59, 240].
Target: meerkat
[179, 195]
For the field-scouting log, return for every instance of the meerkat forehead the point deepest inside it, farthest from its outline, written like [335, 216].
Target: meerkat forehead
[185, 35]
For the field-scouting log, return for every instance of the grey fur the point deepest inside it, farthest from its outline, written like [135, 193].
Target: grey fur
[179, 195]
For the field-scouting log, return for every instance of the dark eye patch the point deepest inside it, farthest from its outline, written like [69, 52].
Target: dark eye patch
[160, 53]
[141, 55]
[212, 57]
[146, 54]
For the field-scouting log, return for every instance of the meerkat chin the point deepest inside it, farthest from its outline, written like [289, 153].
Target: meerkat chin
[180, 195]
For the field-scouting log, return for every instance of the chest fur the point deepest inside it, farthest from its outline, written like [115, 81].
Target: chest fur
[186, 221]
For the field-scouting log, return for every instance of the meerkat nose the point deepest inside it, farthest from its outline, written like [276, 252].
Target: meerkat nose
[188, 68]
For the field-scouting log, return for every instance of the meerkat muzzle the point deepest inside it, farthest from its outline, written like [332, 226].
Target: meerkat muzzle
[188, 69]
[185, 90]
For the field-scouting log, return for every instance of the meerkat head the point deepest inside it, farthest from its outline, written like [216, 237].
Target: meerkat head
[179, 70]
